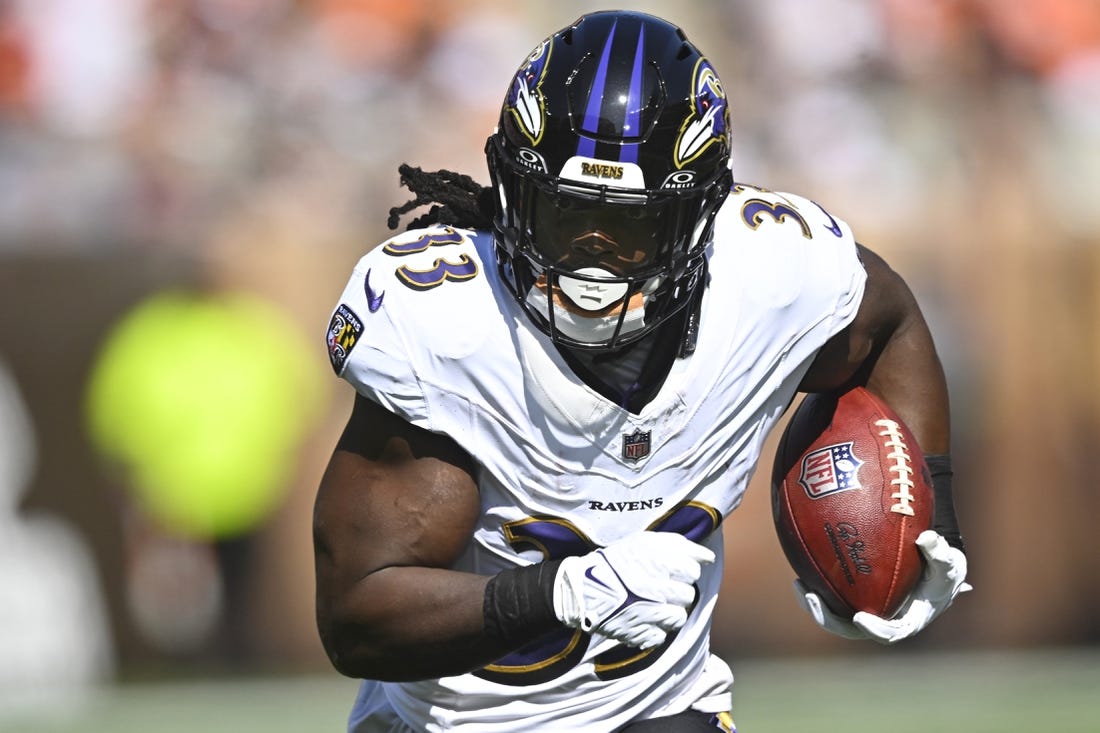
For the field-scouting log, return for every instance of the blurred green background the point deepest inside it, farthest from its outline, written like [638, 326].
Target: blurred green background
[186, 184]
[977, 692]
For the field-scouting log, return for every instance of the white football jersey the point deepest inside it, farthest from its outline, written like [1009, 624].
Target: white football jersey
[426, 328]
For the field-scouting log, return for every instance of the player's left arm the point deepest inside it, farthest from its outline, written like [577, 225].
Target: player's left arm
[889, 349]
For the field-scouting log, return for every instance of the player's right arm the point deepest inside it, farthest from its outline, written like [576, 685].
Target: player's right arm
[395, 509]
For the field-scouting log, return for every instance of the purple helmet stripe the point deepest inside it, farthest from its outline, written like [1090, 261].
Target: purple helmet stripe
[587, 145]
[633, 118]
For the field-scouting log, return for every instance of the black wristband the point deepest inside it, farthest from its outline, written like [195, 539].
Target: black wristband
[519, 603]
[945, 522]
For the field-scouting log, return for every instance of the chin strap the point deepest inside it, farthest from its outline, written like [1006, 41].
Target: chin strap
[695, 308]
[691, 325]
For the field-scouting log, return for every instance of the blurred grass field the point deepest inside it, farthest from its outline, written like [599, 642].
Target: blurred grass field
[1049, 691]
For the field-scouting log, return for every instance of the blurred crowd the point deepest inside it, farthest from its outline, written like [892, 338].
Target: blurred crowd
[163, 123]
[259, 140]
[160, 123]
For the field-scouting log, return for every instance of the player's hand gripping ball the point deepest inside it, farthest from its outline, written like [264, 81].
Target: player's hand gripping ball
[850, 495]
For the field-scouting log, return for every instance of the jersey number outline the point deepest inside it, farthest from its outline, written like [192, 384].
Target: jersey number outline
[754, 209]
[555, 653]
[442, 269]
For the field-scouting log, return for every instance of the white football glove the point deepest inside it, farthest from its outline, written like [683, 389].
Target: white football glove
[635, 590]
[944, 578]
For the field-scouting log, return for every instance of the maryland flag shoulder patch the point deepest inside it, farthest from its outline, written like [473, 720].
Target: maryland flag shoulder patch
[344, 331]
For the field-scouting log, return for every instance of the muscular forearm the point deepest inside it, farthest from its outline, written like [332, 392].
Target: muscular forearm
[410, 623]
[404, 623]
[909, 377]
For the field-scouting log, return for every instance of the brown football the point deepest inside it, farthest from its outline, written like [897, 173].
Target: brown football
[850, 494]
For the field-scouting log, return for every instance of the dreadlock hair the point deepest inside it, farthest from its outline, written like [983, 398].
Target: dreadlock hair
[457, 200]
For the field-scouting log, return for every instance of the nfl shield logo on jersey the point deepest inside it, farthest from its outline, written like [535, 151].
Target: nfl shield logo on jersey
[636, 445]
[830, 469]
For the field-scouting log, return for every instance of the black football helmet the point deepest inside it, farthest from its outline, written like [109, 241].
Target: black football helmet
[609, 163]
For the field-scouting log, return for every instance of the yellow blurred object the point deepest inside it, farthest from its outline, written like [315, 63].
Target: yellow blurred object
[204, 399]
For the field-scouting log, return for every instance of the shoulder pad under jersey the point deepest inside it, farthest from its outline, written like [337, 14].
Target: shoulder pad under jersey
[784, 246]
[417, 299]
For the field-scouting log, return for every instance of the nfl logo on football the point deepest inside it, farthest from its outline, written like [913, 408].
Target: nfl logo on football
[830, 469]
[636, 446]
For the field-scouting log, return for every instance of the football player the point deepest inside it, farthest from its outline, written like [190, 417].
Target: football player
[564, 381]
